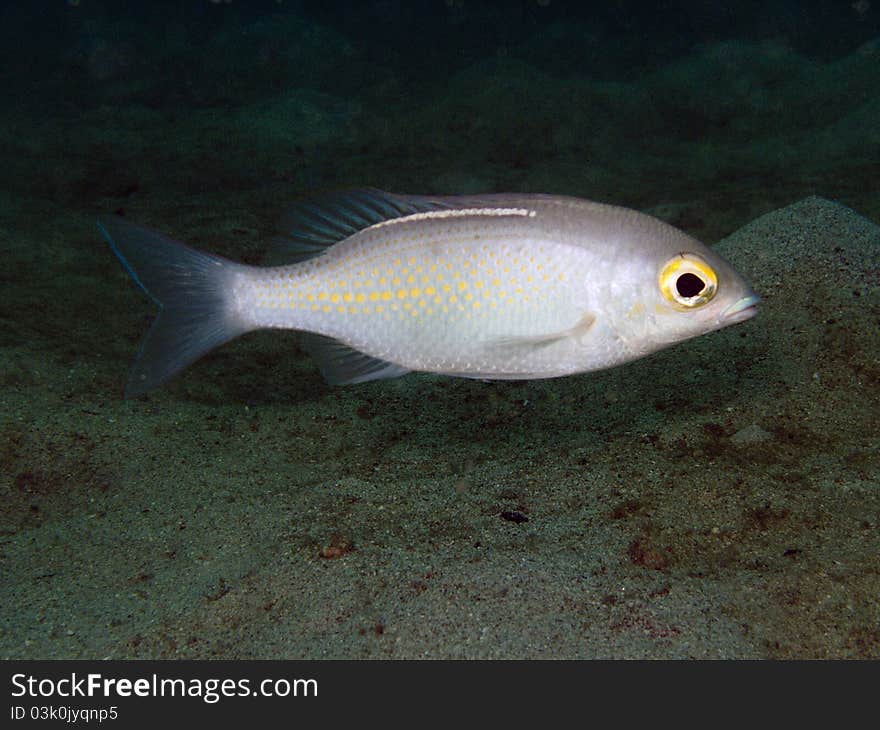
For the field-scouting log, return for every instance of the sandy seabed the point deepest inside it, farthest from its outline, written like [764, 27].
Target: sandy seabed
[719, 499]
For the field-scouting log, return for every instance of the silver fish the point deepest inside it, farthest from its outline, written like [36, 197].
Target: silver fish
[507, 286]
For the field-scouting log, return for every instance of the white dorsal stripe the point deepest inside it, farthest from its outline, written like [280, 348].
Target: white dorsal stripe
[457, 213]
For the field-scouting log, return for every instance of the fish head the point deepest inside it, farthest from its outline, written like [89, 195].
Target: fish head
[679, 291]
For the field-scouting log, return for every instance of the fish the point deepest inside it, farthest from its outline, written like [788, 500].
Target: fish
[493, 287]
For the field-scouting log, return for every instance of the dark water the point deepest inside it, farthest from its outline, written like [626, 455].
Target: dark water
[720, 499]
[638, 103]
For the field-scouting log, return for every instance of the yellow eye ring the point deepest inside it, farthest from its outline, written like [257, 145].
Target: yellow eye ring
[687, 281]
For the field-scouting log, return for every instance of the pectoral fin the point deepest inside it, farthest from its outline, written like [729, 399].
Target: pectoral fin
[581, 328]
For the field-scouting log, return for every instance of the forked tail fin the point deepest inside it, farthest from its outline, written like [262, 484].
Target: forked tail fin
[194, 293]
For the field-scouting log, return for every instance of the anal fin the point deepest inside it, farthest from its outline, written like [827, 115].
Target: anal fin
[343, 365]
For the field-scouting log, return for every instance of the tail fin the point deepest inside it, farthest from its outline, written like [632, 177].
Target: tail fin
[193, 290]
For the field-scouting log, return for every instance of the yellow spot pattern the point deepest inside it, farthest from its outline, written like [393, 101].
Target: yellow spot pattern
[485, 278]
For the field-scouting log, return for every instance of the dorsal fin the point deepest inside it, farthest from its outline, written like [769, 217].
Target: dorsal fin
[343, 365]
[313, 224]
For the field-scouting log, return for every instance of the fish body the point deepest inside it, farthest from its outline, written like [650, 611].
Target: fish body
[508, 286]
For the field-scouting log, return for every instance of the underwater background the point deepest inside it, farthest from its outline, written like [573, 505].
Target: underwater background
[718, 499]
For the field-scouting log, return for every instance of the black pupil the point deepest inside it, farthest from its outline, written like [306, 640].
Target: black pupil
[689, 285]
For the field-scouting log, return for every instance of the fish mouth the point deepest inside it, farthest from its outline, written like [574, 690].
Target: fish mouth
[741, 310]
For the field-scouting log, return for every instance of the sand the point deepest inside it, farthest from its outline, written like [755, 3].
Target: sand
[718, 499]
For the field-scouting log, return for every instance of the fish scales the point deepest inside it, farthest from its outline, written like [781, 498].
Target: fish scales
[428, 293]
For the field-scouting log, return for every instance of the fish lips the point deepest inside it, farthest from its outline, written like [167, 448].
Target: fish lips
[740, 310]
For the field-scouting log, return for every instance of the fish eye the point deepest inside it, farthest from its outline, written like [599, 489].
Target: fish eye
[687, 281]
